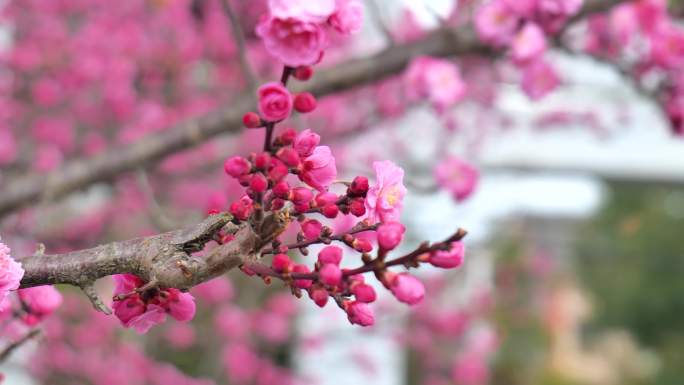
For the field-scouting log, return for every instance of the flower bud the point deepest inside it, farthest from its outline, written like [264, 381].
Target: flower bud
[301, 196]
[406, 288]
[281, 263]
[358, 187]
[362, 245]
[311, 229]
[289, 156]
[364, 292]
[390, 235]
[288, 136]
[258, 183]
[319, 295]
[330, 274]
[251, 120]
[277, 204]
[262, 161]
[236, 166]
[357, 207]
[242, 208]
[281, 190]
[278, 170]
[303, 73]
[325, 198]
[304, 102]
[360, 313]
[330, 255]
[449, 259]
[330, 211]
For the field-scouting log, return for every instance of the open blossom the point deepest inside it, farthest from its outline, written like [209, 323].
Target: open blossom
[143, 312]
[292, 41]
[438, 80]
[495, 23]
[457, 176]
[348, 17]
[384, 201]
[539, 78]
[319, 169]
[40, 301]
[450, 258]
[529, 43]
[11, 272]
[275, 101]
[406, 288]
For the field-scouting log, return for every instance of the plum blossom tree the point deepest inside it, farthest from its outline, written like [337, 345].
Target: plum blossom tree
[93, 91]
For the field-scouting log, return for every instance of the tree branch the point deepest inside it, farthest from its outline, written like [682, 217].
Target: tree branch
[78, 174]
[166, 259]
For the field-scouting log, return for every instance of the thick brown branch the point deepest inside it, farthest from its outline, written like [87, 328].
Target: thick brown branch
[166, 259]
[77, 174]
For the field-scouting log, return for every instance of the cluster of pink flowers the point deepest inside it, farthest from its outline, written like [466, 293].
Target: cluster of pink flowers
[618, 34]
[142, 310]
[522, 25]
[296, 31]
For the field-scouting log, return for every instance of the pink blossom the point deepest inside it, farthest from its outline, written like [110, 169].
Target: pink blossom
[311, 229]
[292, 41]
[348, 17]
[319, 170]
[406, 288]
[330, 255]
[390, 235]
[458, 177]
[495, 23]
[438, 80]
[11, 272]
[330, 274]
[275, 101]
[305, 142]
[539, 78]
[304, 10]
[41, 301]
[360, 313]
[385, 199]
[451, 258]
[529, 43]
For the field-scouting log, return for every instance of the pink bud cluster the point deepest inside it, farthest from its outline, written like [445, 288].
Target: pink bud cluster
[294, 176]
